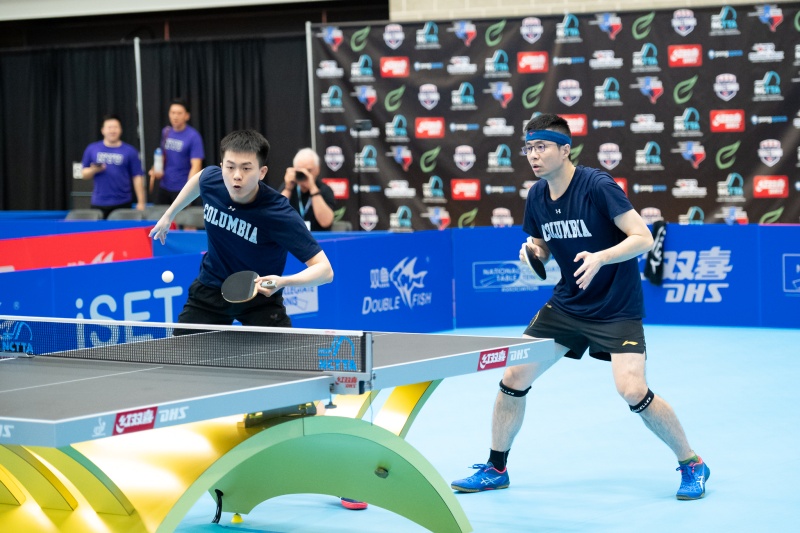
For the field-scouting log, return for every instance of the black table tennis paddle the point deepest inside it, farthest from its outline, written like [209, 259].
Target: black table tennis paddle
[241, 286]
[536, 265]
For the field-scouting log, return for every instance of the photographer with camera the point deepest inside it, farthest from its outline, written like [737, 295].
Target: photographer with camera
[313, 199]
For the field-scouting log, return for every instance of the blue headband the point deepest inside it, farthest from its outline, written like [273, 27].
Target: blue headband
[547, 135]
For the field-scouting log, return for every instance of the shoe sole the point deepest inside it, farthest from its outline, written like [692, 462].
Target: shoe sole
[464, 489]
[355, 506]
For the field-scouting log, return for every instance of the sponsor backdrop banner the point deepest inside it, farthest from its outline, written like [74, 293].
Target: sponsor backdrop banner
[430, 280]
[693, 112]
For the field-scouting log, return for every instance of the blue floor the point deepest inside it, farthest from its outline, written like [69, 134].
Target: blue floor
[583, 462]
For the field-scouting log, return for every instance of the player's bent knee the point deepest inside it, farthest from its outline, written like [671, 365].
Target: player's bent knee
[644, 404]
[508, 391]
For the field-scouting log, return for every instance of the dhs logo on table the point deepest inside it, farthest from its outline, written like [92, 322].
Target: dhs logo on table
[492, 359]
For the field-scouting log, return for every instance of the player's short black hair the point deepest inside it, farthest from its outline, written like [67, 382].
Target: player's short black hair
[108, 117]
[245, 142]
[548, 121]
[181, 102]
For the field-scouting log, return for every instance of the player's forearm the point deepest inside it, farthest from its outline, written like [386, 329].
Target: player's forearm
[318, 272]
[633, 246]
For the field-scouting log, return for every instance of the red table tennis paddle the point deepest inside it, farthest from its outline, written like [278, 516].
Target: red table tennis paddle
[241, 286]
[536, 265]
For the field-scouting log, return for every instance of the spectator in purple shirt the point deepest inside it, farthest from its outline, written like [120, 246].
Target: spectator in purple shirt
[115, 168]
[182, 147]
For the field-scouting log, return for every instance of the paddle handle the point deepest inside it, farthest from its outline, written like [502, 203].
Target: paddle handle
[269, 284]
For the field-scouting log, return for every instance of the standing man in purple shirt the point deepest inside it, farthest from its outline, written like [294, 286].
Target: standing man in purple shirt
[115, 168]
[582, 218]
[182, 147]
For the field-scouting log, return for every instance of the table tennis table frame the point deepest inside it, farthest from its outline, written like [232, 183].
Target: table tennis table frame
[78, 487]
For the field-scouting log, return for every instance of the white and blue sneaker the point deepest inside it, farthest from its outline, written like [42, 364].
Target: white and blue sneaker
[487, 477]
[693, 480]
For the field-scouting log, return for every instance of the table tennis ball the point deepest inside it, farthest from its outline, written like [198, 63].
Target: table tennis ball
[167, 276]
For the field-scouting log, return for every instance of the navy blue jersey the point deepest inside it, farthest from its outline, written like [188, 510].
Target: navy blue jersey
[254, 236]
[583, 220]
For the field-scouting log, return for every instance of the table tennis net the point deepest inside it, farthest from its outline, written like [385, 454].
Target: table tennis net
[221, 346]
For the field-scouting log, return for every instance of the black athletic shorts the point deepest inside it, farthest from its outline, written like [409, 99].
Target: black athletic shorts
[602, 338]
[206, 305]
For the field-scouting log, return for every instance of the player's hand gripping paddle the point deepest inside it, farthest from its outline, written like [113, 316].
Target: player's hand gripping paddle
[241, 286]
[536, 265]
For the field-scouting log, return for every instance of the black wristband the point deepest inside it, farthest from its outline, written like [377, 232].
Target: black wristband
[315, 194]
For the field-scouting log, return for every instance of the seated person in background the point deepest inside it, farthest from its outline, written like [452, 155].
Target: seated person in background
[310, 197]
[115, 168]
[183, 152]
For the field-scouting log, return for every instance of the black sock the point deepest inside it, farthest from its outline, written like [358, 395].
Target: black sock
[498, 459]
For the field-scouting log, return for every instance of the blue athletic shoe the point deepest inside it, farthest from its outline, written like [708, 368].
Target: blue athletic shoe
[693, 480]
[486, 478]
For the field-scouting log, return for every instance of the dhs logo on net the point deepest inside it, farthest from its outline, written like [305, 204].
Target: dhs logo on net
[492, 359]
[407, 281]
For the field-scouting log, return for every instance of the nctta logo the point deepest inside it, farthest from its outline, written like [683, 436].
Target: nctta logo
[578, 124]
[429, 127]
[770, 186]
[138, 420]
[492, 359]
[685, 55]
[395, 67]
[727, 120]
[465, 189]
[532, 62]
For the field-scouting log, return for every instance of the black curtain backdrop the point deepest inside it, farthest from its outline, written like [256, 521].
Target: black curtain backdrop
[233, 84]
[52, 101]
[52, 104]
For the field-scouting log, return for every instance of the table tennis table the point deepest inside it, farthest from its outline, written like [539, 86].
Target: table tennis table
[75, 456]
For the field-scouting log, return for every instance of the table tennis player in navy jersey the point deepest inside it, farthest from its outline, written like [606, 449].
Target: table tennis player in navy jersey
[581, 217]
[250, 226]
